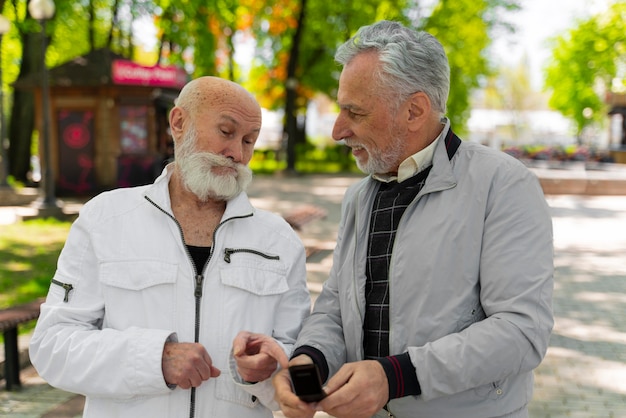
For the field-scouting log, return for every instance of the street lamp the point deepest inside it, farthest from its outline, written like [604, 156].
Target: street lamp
[43, 10]
[5, 25]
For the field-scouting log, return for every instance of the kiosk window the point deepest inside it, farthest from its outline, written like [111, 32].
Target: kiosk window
[134, 129]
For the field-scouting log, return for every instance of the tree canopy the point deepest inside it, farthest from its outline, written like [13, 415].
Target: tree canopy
[588, 61]
[293, 44]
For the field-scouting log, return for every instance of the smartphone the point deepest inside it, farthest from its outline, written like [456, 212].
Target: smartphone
[306, 382]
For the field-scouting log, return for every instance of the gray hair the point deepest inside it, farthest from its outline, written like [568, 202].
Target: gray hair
[412, 61]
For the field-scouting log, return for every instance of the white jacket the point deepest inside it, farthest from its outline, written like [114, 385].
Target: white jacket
[125, 283]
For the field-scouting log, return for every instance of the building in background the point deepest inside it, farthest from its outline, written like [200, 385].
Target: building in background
[109, 121]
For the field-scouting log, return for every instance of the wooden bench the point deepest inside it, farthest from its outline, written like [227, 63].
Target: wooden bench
[302, 215]
[10, 318]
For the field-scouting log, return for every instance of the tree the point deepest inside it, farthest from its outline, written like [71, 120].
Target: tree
[303, 45]
[295, 44]
[296, 41]
[465, 27]
[587, 61]
[205, 30]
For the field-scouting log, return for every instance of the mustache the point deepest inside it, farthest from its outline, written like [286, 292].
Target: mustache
[216, 160]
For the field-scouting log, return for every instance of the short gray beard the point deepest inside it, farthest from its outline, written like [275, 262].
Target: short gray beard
[197, 173]
[381, 161]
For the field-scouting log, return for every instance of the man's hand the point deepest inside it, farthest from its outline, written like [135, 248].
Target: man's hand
[257, 356]
[290, 404]
[187, 364]
[358, 389]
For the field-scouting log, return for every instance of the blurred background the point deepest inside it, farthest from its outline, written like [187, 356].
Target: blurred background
[86, 86]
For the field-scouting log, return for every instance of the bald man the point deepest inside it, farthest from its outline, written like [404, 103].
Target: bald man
[179, 298]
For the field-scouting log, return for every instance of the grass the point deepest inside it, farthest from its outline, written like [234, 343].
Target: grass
[28, 256]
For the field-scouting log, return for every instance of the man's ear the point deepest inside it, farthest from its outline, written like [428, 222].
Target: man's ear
[176, 121]
[419, 110]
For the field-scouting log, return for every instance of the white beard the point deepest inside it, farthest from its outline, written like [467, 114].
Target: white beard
[199, 177]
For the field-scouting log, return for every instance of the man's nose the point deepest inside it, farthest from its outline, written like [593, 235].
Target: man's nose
[340, 129]
[234, 151]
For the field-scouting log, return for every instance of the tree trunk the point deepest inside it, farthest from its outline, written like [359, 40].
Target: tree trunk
[92, 29]
[291, 85]
[22, 121]
[231, 55]
[21, 128]
[114, 22]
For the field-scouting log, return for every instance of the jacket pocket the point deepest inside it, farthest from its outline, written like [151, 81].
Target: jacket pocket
[472, 314]
[139, 293]
[227, 390]
[492, 390]
[260, 276]
[250, 297]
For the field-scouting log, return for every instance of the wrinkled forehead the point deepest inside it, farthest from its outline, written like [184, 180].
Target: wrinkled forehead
[233, 105]
[359, 83]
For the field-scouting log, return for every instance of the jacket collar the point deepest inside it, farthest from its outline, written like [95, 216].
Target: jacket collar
[158, 192]
[441, 176]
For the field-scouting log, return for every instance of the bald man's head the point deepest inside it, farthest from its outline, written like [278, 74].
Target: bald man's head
[206, 92]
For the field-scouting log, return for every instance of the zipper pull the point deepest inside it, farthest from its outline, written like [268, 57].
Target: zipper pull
[198, 291]
[227, 253]
[68, 288]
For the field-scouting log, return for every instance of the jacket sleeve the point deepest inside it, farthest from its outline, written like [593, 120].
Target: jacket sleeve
[515, 283]
[263, 391]
[70, 349]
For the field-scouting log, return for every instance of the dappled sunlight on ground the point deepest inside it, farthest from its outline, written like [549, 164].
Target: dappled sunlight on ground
[584, 372]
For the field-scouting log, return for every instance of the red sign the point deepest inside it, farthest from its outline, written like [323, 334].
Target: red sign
[128, 72]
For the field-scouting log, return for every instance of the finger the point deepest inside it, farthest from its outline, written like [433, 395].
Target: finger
[215, 372]
[274, 350]
[240, 342]
[337, 381]
[301, 359]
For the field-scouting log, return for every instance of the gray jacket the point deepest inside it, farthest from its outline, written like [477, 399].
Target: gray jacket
[471, 281]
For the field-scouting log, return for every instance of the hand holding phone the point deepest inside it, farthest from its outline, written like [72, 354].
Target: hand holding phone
[306, 382]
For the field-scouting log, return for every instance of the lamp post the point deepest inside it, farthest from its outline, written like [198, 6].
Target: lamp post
[5, 25]
[43, 10]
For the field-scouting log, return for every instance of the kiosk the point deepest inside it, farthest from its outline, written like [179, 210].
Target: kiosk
[109, 121]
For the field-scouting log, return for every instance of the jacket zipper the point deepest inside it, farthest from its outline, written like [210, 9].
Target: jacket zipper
[68, 288]
[230, 251]
[199, 280]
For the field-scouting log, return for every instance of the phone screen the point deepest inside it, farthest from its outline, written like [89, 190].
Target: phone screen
[306, 382]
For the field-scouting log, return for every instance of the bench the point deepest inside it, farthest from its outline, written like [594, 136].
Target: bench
[10, 318]
[302, 215]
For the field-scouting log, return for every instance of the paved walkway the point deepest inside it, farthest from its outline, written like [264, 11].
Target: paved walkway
[584, 373]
